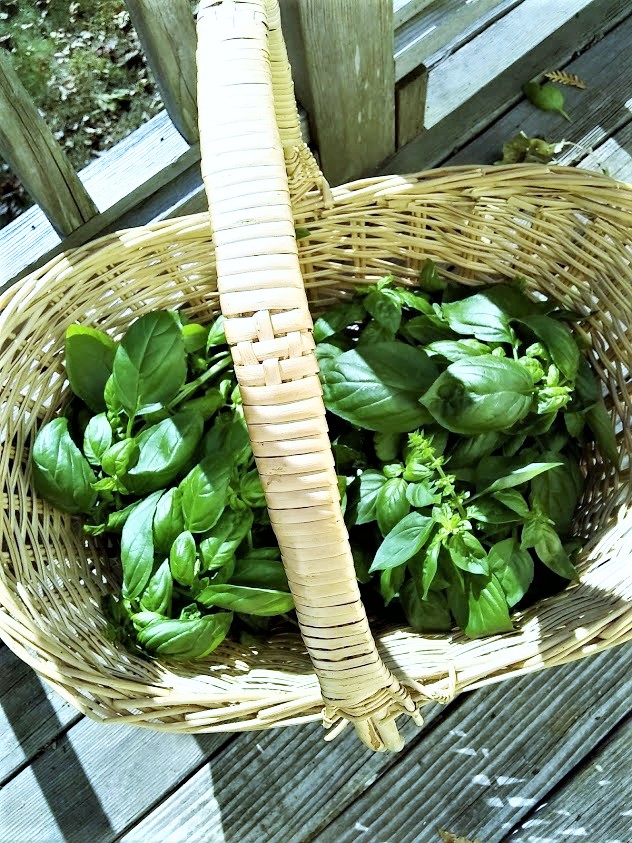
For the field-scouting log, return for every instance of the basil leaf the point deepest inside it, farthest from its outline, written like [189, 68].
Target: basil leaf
[423, 567]
[229, 437]
[468, 554]
[427, 328]
[413, 301]
[454, 350]
[216, 335]
[194, 336]
[377, 387]
[430, 615]
[263, 602]
[385, 308]
[513, 568]
[97, 438]
[168, 521]
[338, 318]
[600, 423]
[391, 504]
[61, 473]
[150, 363]
[260, 572]
[157, 596]
[365, 490]
[429, 278]
[229, 532]
[479, 317]
[116, 520]
[574, 423]
[375, 333]
[471, 450]
[587, 389]
[137, 547]
[205, 492]
[488, 612]
[490, 511]
[387, 446]
[391, 580]
[514, 302]
[404, 541]
[481, 394]
[558, 492]
[520, 475]
[89, 359]
[559, 341]
[183, 558]
[118, 457]
[514, 500]
[164, 450]
[420, 495]
[548, 547]
[206, 405]
[185, 639]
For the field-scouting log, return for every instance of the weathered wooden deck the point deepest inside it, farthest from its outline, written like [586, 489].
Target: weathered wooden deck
[545, 758]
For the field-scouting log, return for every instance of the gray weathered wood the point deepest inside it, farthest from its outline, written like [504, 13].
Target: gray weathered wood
[614, 156]
[301, 794]
[410, 98]
[404, 10]
[502, 45]
[438, 143]
[442, 28]
[167, 34]
[597, 112]
[342, 62]
[141, 178]
[31, 715]
[594, 805]
[28, 145]
[479, 773]
[98, 780]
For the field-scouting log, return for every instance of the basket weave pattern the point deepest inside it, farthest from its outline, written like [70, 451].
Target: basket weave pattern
[565, 230]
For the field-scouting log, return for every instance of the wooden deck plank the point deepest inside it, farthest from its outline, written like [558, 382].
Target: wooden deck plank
[451, 133]
[594, 805]
[481, 770]
[96, 781]
[300, 795]
[598, 112]
[31, 715]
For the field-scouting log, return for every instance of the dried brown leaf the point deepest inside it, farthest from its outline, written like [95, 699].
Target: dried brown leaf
[563, 78]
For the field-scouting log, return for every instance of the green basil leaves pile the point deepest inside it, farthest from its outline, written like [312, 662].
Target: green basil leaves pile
[154, 449]
[461, 417]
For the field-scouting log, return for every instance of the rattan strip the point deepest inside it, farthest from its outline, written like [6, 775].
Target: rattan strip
[259, 276]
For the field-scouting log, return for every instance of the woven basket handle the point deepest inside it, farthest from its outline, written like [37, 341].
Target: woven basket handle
[249, 134]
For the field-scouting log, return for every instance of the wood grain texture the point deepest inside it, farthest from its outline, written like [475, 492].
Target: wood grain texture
[121, 178]
[469, 119]
[598, 112]
[410, 97]
[502, 45]
[31, 715]
[594, 804]
[37, 159]
[477, 774]
[342, 62]
[167, 34]
[96, 781]
[303, 794]
[404, 10]
[442, 28]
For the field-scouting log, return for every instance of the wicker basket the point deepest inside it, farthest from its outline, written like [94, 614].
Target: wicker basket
[565, 230]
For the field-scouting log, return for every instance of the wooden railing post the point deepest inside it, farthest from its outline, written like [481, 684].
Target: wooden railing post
[342, 62]
[28, 146]
[166, 30]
